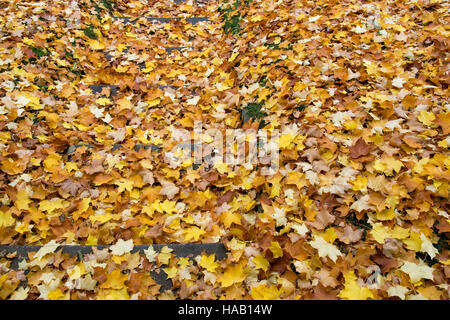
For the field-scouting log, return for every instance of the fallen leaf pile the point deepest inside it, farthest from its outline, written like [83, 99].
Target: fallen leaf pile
[92, 94]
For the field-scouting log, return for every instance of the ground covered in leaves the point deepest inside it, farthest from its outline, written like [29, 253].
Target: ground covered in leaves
[358, 210]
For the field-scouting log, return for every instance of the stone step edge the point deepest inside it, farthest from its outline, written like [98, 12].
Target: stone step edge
[169, 50]
[192, 20]
[179, 250]
[97, 88]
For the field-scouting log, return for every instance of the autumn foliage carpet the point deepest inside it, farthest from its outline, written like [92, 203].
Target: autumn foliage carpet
[359, 89]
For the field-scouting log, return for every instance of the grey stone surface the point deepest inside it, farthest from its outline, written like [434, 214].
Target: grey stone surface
[72, 149]
[193, 20]
[97, 88]
[137, 147]
[170, 49]
[179, 250]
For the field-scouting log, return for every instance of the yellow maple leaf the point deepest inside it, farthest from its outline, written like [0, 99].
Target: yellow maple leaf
[114, 280]
[193, 233]
[228, 218]
[414, 242]
[91, 240]
[103, 101]
[167, 206]
[394, 164]
[222, 168]
[276, 249]
[296, 178]
[113, 294]
[165, 255]
[360, 183]
[276, 185]
[379, 232]
[330, 235]
[53, 160]
[233, 56]
[352, 290]
[124, 184]
[261, 262]
[96, 45]
[264, 292]
[285, 140]
[6, 219]
[233, 274]
[171, 272]
[52, 205]
[399, 233]
[102, 218]
[3, 279]
[183, 262]
[58, 295]
[208, 262]
[388, 165]
[426, 118]
[418, 271]
[387, 214]
[12, 167]
[153, 103]
[325, 248]
[77, 271]
[122, 69]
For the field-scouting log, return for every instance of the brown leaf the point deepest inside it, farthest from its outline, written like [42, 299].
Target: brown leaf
[360, 148]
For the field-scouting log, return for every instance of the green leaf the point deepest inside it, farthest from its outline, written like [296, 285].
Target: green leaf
[252, 111]
[90, 33]
[302, 107]
[40, 52]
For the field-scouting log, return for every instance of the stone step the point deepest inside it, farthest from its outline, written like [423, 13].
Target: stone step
[115, 147]
[169, 50]
[193, 20]
[137, 147]
[189, 250]
[97, 88]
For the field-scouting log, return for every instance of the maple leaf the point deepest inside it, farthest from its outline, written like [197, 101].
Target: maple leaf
[418, 271]
[361, 204]
[261, 262]
[86, 283]
[151, 254]
[193, 101]
[325, 249]
[353, 291]
[427, 118]
[228, 218]
[124, 184]
[360, 148]
[208, 262]
[276, 249]
[398, 82]
[121, 247]
[6, 219]
[165, 255]
[193, 233]
[57, 294]
[171, 272]
[233, 274]
[115, 280]
[23, 200]
[398, 291]
[46, 249]
[168, 189]
[265, 292]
